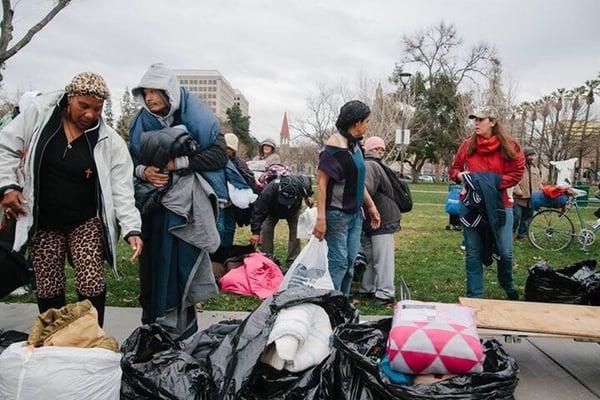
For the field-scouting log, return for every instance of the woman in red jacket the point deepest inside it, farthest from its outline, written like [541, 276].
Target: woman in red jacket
[489, 149]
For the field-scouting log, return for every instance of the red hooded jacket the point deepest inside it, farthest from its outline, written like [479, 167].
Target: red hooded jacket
[488, 158]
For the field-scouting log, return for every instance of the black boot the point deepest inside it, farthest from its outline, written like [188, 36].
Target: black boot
[52, 302]
[99, 303]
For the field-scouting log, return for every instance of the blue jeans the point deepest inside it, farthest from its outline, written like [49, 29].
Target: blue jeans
[474, 263]
[226, 226]
[343, 240]
[523, 216]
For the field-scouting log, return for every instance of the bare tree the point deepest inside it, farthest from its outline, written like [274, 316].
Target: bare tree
[7, 27]
[494, 95]
[319, 121]
[436, 51]
[385, 117]
[437, 55]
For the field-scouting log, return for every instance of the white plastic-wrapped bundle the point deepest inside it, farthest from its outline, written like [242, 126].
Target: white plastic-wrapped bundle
[59, 373]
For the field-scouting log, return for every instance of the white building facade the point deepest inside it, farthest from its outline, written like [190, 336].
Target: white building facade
[211, 87]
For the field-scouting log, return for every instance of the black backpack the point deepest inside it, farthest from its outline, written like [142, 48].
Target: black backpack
[401, 196]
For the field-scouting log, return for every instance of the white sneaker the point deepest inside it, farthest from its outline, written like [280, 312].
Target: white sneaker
[19, 291]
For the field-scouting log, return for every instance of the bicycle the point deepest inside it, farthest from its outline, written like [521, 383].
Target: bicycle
[553, 230]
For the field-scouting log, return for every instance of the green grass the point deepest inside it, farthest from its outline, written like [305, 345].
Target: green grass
[427, 256]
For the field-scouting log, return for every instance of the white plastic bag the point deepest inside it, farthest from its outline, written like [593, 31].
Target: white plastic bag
[306, 223]
[59, 373]
[566, 170]
[310, 269]
[241, 198]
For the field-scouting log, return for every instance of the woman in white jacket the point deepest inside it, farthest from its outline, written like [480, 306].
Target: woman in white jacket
[66, 178]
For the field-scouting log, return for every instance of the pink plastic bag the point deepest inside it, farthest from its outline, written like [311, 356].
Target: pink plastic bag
[257, 276]
[434, 338]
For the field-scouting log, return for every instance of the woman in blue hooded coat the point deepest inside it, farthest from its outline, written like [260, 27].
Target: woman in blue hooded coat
[166, 104]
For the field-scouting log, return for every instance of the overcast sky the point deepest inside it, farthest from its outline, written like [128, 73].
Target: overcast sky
[276, 51]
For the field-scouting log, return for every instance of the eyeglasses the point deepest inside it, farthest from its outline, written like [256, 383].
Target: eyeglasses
[378, 149]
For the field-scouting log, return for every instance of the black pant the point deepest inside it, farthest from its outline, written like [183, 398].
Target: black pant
[454, 219]
[152, 228]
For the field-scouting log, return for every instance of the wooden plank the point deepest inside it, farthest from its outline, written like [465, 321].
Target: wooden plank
[560, 319]
[582, 360]
[506, 332]
[540, 378]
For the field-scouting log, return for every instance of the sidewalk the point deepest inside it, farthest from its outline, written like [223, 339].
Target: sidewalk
[119, 322]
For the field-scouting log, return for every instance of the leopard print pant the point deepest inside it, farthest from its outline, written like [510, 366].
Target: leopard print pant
[84, 244]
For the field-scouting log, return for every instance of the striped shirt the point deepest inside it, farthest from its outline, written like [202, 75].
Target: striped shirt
[346, 170]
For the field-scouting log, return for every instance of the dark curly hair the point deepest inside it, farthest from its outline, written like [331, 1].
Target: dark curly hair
[352, 112]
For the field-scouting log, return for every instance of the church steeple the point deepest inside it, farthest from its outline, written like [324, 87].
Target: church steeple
[284, 135]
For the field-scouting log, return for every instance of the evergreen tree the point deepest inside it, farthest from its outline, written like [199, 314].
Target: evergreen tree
[128, 111]
[109, 117]
[240, 126]
[436, 122]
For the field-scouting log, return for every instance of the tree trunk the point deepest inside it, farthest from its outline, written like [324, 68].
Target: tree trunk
[582, 142]
[542, 138]
[6, 30]
[597, 163]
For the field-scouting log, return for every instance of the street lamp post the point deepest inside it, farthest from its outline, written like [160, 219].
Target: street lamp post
[404, 80]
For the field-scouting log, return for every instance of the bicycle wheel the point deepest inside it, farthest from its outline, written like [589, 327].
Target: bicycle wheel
[551, 230]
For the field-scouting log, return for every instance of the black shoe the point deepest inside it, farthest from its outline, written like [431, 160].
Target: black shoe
[363, 296]
[99, 303]
[514, 295]
[52, 302]
[385, 302]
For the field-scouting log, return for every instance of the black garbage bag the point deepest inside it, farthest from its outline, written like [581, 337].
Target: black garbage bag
[235, 366]
[9, 337]
[360, 347]
[566, 285]
[592, 287]
[155, 367]
[201, 344]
